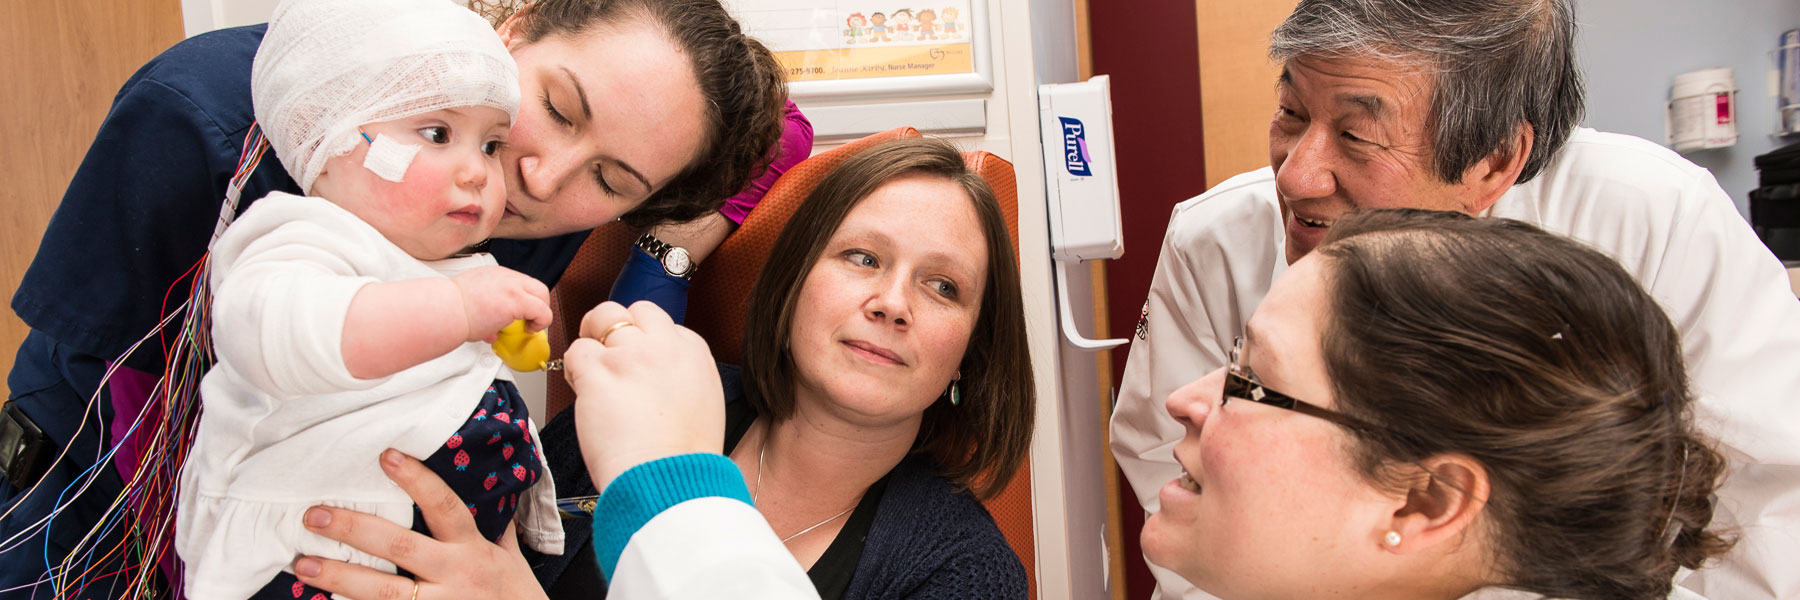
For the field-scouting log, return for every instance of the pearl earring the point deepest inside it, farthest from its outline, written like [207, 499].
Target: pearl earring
[1392, 539]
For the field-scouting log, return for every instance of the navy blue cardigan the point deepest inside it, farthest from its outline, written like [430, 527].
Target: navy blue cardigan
[931, 539]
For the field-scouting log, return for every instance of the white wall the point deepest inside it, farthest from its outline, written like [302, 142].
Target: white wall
[1631, 49]
[201, 16]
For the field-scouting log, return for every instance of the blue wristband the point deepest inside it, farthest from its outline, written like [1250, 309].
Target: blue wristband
[643, 278]
[646, 490]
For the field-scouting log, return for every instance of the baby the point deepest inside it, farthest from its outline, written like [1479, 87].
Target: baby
[351, 320]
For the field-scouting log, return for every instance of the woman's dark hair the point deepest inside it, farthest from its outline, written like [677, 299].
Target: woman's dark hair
[745, 90]
[1545, 361]
[980, 443]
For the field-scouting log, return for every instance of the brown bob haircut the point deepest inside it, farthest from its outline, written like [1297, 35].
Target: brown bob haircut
[980, 443]
[1542, 359]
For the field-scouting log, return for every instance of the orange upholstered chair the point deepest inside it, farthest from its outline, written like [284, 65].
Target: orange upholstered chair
[1012, 508]
[723, 282]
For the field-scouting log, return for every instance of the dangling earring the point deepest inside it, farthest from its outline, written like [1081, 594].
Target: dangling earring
[956, 392]
[1392, 539]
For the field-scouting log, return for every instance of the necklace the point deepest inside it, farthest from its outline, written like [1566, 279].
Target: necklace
[762, 450]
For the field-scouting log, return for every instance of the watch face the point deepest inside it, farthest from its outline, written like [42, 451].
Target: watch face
[676, 262]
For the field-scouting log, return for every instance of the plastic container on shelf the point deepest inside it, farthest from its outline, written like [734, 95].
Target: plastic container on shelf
[1703, 110]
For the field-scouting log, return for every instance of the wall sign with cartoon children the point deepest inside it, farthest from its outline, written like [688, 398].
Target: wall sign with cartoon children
[875, 47]
[903, 25]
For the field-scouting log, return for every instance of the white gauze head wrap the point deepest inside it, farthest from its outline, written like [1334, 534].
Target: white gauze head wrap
[327, 67]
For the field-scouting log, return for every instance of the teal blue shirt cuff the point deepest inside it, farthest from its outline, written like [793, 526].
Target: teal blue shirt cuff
[646, 490]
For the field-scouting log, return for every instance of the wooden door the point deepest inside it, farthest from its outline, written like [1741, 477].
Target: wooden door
[1237, 82]
[62, 62]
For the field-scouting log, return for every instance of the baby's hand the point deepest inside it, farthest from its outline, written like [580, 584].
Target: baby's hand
[494, 297]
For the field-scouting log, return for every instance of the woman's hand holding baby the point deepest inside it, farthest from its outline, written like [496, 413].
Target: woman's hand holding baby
[457, 563]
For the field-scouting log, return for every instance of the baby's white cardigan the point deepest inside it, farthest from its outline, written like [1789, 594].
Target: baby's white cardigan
[286, 426]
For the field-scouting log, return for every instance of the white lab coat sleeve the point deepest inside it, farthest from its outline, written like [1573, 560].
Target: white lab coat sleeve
[1222, 252]
[1740, 325]
[1214, 267]
[1176, 340]
[707, 548]
[283, 278]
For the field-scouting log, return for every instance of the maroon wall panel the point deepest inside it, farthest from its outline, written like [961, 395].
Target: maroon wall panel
[1149, 49]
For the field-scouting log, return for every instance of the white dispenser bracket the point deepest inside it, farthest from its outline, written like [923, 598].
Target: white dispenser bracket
[1081, 185]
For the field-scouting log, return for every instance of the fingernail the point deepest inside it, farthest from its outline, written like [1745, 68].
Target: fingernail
[307, 567]
[318, 517]
[390, 457]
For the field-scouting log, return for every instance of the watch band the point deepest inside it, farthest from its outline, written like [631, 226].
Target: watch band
[675, 260]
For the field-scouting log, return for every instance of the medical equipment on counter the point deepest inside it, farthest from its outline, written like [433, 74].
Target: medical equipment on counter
[1775, 203]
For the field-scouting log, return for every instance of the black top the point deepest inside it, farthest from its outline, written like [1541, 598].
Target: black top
[830, 574]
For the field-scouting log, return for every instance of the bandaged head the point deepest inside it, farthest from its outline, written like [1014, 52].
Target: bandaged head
[327, 67]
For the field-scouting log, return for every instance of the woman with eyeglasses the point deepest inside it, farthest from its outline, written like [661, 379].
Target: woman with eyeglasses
[1436, 406]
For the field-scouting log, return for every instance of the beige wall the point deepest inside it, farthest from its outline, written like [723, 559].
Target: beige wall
[1237, 82]
[62, 62]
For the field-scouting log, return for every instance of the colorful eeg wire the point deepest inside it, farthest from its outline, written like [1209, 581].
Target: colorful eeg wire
[163, 429]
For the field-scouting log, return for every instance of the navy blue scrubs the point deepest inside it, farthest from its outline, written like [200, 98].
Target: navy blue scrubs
[137, 215]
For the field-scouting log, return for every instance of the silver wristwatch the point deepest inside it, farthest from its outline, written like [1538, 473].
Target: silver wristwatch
[675, 260]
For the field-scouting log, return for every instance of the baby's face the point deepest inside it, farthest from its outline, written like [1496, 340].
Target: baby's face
[450, 197]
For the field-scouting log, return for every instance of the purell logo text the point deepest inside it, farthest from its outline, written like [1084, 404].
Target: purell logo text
[1075, 150]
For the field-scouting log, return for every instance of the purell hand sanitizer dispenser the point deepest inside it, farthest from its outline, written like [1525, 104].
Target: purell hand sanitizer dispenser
[1082, 185]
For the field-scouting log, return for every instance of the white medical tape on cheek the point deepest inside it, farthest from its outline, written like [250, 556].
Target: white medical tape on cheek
[389, 159]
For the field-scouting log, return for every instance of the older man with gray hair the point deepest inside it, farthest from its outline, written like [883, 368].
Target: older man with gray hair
[1473, 107]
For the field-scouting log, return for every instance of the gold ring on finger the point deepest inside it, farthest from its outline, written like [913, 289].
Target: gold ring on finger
[609, 331]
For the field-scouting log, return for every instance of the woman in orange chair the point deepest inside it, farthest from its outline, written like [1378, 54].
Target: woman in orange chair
[886, 387]
[902, 380]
